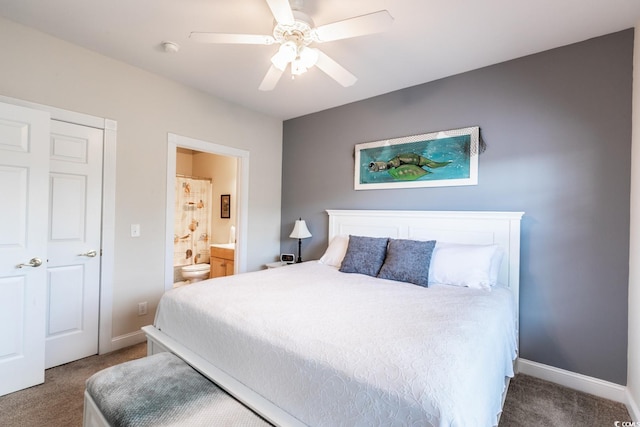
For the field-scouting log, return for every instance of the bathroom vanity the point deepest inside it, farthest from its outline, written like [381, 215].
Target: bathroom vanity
[222, 259]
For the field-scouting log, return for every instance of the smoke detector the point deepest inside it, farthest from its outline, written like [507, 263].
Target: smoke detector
[170, 47]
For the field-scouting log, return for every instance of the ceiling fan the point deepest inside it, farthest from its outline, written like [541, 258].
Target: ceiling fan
[295, 32]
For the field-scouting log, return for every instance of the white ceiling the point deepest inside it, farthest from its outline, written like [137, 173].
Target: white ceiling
[428, 40]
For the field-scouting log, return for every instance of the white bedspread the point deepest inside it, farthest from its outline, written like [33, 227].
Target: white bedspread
[337, 349]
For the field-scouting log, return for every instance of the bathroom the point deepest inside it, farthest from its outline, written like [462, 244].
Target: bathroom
[205, 216]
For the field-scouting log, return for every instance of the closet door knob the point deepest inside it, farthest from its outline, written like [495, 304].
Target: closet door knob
[89, 254]
[33, 262]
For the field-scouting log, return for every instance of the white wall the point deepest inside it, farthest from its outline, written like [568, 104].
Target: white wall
[41, 69]
[633, 369]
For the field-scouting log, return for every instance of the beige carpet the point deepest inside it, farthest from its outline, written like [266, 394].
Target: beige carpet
[534, 402]
[59, 401]
[530, 402]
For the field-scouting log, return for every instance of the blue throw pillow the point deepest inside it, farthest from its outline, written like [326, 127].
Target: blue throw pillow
[408, 261]
[364, 255]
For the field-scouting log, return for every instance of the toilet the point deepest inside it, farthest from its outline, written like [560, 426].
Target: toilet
[195, 272]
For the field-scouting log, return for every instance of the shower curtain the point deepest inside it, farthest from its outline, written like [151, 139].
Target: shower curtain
[192, 221]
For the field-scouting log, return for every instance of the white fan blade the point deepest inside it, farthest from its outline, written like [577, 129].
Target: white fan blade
[335, 70]
[281, 10]
[231, 38]
[371, 23]
[271, 79]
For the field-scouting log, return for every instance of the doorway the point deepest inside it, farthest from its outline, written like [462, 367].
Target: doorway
[238, 218]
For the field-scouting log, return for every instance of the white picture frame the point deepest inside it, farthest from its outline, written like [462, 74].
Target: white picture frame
[436, 159]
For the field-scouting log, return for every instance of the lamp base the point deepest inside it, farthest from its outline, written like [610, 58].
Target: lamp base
[299, 248]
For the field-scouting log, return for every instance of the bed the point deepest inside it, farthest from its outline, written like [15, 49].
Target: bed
[309, 344]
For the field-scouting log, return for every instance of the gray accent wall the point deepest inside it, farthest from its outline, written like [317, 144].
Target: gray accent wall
[557, 126]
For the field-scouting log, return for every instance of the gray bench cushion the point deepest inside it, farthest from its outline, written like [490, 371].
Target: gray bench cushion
[162, 390]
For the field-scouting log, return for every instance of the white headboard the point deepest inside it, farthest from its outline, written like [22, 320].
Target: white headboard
[501, 228]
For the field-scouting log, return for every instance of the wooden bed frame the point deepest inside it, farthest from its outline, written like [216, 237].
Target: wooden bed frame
[502, 228]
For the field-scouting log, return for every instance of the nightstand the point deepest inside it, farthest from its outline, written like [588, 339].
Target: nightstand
[276, 264]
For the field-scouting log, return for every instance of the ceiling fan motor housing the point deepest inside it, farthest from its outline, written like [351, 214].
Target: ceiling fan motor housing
[294, 39]
[300, 32]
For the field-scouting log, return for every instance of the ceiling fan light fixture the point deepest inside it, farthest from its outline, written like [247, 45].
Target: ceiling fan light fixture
[278, 62]
[308, 56]
[287, 52]
[298, 67]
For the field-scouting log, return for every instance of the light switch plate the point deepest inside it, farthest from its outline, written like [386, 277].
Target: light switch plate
[135, 230]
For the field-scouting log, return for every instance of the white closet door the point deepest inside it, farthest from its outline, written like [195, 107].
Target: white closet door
[73, 270]
[24, 170]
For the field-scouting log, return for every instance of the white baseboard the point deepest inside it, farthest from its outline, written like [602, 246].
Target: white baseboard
[127, 340]
[583, 383]
[632, 407]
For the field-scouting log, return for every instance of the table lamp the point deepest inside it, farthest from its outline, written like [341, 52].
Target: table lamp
[300, 231]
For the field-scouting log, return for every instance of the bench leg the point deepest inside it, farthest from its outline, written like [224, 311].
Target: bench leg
[92, 417]
[154, 347]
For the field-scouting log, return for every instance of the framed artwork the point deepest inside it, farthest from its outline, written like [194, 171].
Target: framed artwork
[437, 159]
[225, 206]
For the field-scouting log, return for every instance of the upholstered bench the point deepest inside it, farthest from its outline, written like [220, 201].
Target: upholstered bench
[160, 390]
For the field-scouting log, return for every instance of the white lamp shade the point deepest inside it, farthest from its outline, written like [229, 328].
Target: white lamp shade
[308, 56]
[286, 53]
[279, 61]
[300, 230]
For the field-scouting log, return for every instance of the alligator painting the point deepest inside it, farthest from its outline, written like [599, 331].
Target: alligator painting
[407, 166]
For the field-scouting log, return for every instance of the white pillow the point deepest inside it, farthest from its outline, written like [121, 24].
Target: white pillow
[335, 251]
[496, 263]
[473, 266]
